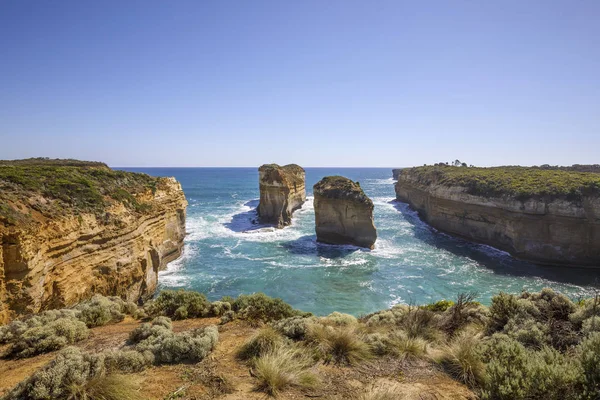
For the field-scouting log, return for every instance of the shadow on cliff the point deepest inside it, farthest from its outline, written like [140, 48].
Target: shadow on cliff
[246, 221]
[496, 260]
[308, 245]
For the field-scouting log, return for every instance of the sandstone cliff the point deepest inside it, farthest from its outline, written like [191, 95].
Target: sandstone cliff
[282, 191]
[547, 217]
[396, 172]
[343, 213]
[68, 231]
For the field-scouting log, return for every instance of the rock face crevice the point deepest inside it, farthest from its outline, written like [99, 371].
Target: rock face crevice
[550, 231]
[343, 213]
[282, 191]
[59, 261]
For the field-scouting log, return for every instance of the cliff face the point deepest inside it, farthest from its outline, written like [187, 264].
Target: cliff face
[553, 230]
[396, 173]
[343, 213]
[54, 254]
[282, 191]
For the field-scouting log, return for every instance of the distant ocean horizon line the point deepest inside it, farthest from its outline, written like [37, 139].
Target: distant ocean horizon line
[252, 166]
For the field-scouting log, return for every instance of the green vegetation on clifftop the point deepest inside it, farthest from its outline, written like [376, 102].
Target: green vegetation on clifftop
[519, 182]
[51, 186]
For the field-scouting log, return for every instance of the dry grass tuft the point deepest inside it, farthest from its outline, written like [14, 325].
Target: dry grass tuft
[283, 367]
[263, 341]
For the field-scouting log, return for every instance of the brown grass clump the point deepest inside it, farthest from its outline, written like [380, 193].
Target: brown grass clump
[283, 367]
[108, 387]
[461, 360]
[264, 340]
[342, 345]
[381, 392]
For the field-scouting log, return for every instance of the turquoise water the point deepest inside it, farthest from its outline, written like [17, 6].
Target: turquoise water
[225, 254]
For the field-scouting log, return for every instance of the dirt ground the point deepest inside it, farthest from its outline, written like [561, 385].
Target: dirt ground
[222, 376]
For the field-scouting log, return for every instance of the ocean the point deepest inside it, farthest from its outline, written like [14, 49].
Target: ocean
[226, 254]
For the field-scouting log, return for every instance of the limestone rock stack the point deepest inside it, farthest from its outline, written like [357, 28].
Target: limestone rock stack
[282, 191]
[343, 213]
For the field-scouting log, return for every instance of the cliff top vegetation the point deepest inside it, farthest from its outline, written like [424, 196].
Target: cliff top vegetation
[528, 346]
[50, 186]
[340, 187]
[519, 182]
[290, 173]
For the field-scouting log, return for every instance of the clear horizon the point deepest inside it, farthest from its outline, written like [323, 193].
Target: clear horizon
[342, 83]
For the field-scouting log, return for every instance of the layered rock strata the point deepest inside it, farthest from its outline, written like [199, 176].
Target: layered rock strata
[343, 213]
[552, 230]
[56, 259]
[282, 191]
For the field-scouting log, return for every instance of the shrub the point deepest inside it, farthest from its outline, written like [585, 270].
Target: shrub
[263, 341]
[49, 337]
[387, 317]
[439, 306]
[339, 319]
[589, 360]
[168, 347]
[504, 307]
[259, 307]
[61, 378]
[283, 367]
[592, 324]
[294, 328]
[100, 310]
[127, 360]
[179, 304]
[461, 360]
[342, 345]
[513, 372]
[219, 308]
[15, 329]
[463, 312]
[228, 316]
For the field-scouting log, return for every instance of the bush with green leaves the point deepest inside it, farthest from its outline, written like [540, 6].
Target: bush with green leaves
[169, 347]
[589, 360]
[51, 336]
[59, 379]
[259, 307]
[439, 306]
[179, 304]
[127, 360]
[514, 372]
[15, 329]
[295, 328]
[100, 310]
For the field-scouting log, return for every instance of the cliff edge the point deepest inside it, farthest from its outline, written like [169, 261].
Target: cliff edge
[546, 216]
[343, 213]
[282, 191]
[70, 229]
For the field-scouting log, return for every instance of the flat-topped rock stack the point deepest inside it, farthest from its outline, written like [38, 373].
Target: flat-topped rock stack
[343, 213]
[282, 191]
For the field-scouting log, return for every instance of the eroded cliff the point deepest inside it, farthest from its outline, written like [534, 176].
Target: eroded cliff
[70, 230]
[282, 191]
[343, 213]
[544, 216]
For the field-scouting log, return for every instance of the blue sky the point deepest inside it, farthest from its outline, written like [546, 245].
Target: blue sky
[319, 83]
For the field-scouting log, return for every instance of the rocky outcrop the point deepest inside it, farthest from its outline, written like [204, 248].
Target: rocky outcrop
[553, 230]
[396, 173]
[343, 213]
[282, 191]
[55, 255]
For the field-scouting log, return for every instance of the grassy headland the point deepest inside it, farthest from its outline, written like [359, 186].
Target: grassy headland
[514, 181]
[53, 186]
